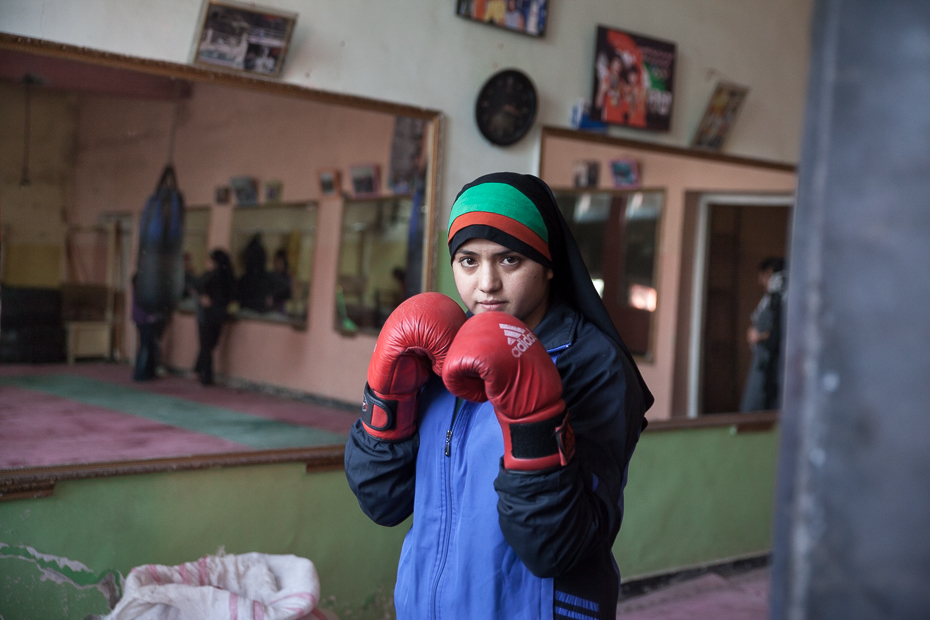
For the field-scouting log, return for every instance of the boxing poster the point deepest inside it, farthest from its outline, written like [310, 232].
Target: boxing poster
[633, 77]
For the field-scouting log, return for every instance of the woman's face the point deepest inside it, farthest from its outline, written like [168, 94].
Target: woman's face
[489, 276]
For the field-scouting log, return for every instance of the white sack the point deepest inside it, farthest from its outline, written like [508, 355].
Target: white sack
[250, 586]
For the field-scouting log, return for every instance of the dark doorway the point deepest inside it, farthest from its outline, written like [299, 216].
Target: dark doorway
[739, 238]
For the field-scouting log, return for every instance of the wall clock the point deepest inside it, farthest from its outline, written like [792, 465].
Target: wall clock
[506, 107]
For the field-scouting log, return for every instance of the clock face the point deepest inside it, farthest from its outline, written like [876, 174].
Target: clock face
[506, 107]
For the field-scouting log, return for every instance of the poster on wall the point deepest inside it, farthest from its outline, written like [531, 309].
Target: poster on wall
[633, 78]
[719, 117]
[523, 16]
[243, 37]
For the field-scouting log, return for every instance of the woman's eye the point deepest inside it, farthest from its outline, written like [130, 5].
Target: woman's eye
[510, 260]
[467, 262]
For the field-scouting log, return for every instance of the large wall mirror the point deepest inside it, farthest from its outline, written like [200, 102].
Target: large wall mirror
[270, 172]
[375, 257]
[618, 235]
[673, 239]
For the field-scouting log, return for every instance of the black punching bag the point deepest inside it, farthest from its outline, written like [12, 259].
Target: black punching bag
[160, 268]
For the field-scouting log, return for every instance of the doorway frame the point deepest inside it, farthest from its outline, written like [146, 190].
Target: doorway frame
[699, 278]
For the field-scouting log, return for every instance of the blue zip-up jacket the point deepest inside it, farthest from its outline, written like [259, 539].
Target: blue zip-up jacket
[489, 543]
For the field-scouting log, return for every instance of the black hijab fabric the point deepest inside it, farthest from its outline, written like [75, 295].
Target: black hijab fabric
[571, 281]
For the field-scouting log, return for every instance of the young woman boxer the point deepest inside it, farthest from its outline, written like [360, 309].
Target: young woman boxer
[508, 435]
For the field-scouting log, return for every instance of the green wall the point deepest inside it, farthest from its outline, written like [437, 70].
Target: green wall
[445, 282]
[694, 497]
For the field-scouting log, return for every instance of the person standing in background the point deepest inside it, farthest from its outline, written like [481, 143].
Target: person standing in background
[217, 290]
[763, 384]
[282, 284]
[150, 326]
[255, 283]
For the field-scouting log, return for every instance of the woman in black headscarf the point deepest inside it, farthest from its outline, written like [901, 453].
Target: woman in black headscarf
[216, 291]
[512, 544]
[255, 285]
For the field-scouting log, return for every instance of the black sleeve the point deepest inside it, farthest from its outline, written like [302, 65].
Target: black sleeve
[556, 519]
[382, 474]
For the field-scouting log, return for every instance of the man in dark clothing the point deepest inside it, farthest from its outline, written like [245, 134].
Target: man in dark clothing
[763, 384]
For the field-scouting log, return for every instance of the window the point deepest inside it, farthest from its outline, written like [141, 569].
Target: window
[272, 249]
[379, 265]
[617, 233]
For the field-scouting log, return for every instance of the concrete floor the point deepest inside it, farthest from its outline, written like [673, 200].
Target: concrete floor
[743, 596]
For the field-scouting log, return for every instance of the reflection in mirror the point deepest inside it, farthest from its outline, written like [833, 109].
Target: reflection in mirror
[739, 370]
[195, 250]
[617, 234]
[377, 260]
[86, 137]
[272, 250]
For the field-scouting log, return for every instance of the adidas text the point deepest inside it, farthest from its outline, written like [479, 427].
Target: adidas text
[519, 337]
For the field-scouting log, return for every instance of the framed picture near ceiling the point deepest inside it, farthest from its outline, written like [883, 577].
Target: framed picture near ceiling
[243, 37]
[633, 79]
[719, 117]
[523, 16]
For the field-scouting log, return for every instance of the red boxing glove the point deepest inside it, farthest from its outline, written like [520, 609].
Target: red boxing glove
[415, 338]
[496, 357]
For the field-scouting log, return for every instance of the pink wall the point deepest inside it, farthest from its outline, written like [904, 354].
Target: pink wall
[223, 132]
[676, 174]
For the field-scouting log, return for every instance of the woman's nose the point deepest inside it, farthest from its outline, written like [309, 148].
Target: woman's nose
[488, 279]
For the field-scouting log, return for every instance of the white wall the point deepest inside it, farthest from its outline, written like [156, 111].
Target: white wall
[418, 52]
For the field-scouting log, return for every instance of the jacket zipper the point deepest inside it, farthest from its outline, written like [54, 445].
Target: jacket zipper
[447, 529]
[455, 412]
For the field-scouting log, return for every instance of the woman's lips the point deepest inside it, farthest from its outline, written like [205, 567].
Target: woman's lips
[491, 305]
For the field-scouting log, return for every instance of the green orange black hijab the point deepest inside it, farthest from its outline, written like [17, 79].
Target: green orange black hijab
[519, 212]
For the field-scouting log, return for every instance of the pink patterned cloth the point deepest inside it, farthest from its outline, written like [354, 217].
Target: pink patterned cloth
[250, 586]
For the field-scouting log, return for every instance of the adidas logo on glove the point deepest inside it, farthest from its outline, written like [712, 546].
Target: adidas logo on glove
[519, 337]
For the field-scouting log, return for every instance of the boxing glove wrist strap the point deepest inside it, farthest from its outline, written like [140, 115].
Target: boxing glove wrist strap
[387, 418]
[541, 444]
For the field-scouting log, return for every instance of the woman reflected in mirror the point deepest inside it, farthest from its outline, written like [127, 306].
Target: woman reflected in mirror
[217, 290]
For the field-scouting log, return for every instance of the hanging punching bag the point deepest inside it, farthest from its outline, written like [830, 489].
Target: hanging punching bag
[160, 266]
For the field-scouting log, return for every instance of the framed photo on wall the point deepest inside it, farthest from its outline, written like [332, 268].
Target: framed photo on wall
[633, 79]
[221, 194]
[245, 190]
[243, 37]
[330, 182]
[586, 173]
[625, 173]
[274, 191]
[719, 117]
[523, 16]
[366, 180]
